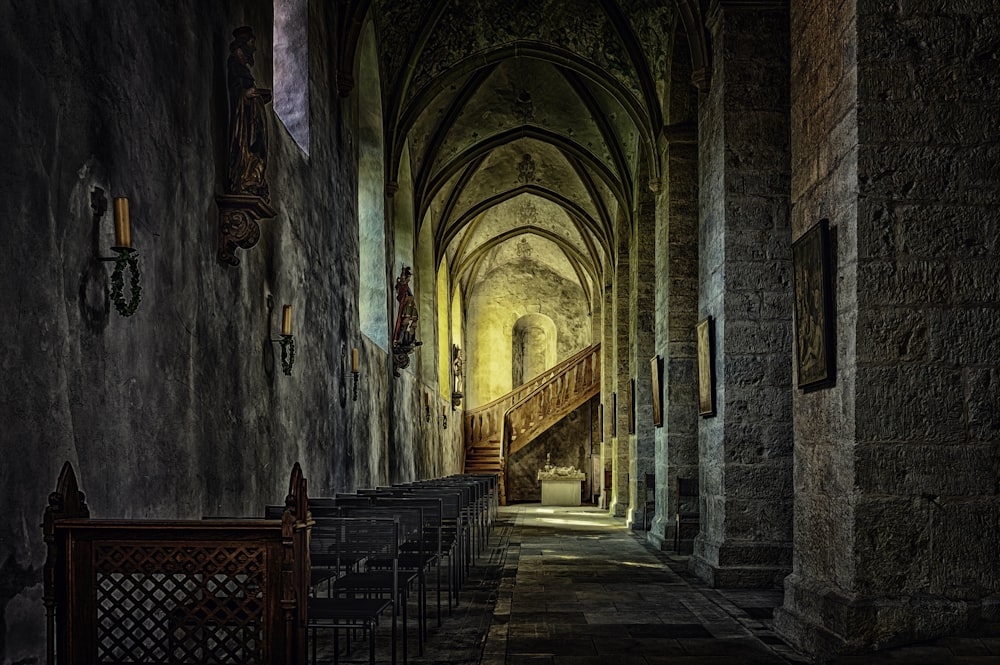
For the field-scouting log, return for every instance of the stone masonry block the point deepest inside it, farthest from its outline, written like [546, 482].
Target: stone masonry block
[958, 174]
[964, 565]
[752, 443]
[757, 404]
[771, 369]
[761, 481]
[757, 337]
[964, 336]
[976, 282]
[891, 335]
[752, 276]
[927, 230]
[982, 386]
[893, 543]
[911, 469]
[891, 283]
[909, 403]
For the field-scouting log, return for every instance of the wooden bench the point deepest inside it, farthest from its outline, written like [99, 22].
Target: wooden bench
[175, 591]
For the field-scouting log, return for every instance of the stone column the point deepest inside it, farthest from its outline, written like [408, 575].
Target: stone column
[642, 317]
[619, 357]
[745, 448]
[894, 141]
[676, 316]
[607, 375]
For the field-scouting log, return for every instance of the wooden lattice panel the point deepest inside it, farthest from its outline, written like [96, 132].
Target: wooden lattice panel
[180, 603]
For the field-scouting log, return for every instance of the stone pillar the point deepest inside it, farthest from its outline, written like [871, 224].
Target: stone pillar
[619, 357]
[897, 536]
[745, 448]
[642, 318]
[676, 316]
[607, 376]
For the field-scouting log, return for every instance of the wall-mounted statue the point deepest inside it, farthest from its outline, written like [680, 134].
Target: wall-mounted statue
[404, 335]
[247, 120]
[458, 369]
[246, 194]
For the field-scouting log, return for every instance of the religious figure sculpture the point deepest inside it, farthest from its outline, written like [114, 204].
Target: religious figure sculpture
[246, 195]
[247, 120]
[404, 336]
[552, 472]
[458, 367]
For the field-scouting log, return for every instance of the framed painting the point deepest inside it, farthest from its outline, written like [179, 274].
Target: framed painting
[655, 370]
[706, 367]
[813, 304]
[614, 414]
[631, 406]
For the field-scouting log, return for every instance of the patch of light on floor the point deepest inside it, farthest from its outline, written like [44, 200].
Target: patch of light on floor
[639, 564]
[555, 520]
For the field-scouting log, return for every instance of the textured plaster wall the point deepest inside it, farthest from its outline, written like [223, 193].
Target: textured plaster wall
[182, 409]
[496, 303]
[894, 141]
[745, 449]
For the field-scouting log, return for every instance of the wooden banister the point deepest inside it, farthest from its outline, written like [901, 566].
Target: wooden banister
[502, 427]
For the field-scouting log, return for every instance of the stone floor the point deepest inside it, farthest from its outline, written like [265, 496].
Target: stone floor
[573, 586]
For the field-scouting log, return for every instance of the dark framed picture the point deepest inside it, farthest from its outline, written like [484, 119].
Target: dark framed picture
[811, 288]
[614, 414]
[706, 366]
[631, 406]
[656, 370]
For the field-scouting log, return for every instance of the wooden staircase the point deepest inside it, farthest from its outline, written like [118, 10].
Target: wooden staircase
[496, 430]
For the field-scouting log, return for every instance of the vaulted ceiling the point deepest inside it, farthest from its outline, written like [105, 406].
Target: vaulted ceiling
[530, 127]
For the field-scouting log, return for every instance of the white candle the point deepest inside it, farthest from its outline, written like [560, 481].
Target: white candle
[123, 224]
[286, 320]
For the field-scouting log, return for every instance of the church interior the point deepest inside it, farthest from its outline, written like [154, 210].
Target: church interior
[734, 260]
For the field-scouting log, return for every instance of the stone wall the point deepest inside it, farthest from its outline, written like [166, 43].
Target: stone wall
[182, 409]
[519, 287]
[745, 449]
[895, 142]
[568, 442]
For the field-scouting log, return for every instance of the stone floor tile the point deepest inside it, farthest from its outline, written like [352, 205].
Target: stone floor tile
[563, 593]
[599, 660]
[964, 646]
[615, 617]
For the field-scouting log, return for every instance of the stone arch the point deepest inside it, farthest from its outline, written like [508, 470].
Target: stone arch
[533, 347]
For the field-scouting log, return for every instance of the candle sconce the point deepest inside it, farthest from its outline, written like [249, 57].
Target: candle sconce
[444, 417]
[355, 372]
[126, 258]
[286, 340]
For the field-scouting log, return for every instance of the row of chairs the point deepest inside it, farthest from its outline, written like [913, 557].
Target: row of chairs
[371, 550]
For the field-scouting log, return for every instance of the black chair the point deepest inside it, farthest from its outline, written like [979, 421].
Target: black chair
[687, 515]
[373, 577]
[347, 539]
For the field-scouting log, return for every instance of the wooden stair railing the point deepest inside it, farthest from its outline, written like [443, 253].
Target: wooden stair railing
[500, 428]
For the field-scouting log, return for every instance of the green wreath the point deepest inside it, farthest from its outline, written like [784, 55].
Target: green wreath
[287, 343]
[130, 260]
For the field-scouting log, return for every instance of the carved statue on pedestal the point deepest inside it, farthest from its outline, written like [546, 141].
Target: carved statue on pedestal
[246, 194]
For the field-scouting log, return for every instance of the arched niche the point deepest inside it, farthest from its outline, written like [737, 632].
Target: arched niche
[534, 347]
